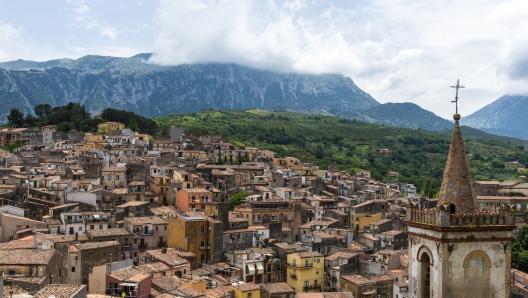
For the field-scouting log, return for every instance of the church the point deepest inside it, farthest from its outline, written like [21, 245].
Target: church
[456, 250]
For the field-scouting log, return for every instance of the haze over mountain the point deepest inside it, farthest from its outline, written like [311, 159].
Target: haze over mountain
[153, 90]
[505, 116]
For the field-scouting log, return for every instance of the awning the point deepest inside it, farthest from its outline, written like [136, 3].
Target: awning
[251, 268]
[128, 284]
[260, 268]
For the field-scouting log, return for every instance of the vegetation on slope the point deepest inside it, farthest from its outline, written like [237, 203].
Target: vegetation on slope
[73, 116]
[417, 155]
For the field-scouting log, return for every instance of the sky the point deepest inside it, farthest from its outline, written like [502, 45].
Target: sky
[396, 50]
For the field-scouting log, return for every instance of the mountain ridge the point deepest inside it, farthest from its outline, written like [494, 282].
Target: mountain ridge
[505, 116]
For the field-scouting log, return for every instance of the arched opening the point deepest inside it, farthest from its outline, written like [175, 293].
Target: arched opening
[452, 209]
[425, 275]
[477, 271]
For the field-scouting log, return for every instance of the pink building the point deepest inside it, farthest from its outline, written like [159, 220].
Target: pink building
[192, 199]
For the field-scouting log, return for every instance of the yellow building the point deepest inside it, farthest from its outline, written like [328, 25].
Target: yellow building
[305, 271]
[109, 127]
[245, 290]
[195, 232]
[362, 220]
[93, 138]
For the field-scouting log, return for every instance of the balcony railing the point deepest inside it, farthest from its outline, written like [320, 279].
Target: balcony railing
[142, 246]
[303, 265]
[162, 244]
[293, 276]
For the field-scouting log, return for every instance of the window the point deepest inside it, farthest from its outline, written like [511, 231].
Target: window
[80, 229]
[202, 243]
[202, 257]
[92, 227]
[156, 228]
[76, 257]
[100, 227]
[316, 271]
[249, 295]
[117, 177]
[72, 269]
[203, 229]
[165, 228]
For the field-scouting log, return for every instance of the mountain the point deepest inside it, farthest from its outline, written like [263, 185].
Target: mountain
[152, 90]
[505, 116]
[407, 115]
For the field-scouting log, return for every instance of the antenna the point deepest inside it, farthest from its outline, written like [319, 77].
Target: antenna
[457, 86]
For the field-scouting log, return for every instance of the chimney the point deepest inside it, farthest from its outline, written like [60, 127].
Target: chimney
[77, 236]
[164, 250]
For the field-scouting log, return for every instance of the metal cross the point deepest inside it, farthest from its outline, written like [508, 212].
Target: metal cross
[457, 86]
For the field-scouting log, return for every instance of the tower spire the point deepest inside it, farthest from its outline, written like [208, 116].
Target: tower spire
[457, 187]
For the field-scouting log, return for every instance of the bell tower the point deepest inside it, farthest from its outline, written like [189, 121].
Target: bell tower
[456, 250]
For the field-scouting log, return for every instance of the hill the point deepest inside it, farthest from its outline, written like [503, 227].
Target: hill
[151, 90]
[417, 155]
[505, 116]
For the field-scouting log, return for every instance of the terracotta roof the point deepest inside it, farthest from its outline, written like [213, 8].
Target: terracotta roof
[60, 291]
[166, 283]
[190, 292]
[171, 257]
[16, 291]
[108, 232]
[357, 279]
[244, 287]
[138, 221]
[309, 254]
[26, 256]
[277, 287]
[153, 267]
[92, 245]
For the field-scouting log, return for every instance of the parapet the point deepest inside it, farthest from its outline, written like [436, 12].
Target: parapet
[442, 217]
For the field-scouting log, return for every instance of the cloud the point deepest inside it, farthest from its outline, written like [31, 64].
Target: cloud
[397, 50]
[110, 33]
[12, 43]
[83, 9]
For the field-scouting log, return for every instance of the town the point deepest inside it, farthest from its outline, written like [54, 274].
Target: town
[116, 213]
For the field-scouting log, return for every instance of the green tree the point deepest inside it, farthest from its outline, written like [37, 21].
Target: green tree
[64, 127]
[42, 110]
[427, 190]
[16, 118]
[30, 120]
[220, 161]
[132, 124]
[236, 199]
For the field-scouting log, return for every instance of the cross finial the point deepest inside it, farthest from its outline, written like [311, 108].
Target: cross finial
[457, 86]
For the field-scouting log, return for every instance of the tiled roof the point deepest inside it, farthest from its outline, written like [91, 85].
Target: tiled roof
[171, 257]
[309, 254]
[92, 245]
[16, 291]
[277, 287]
[166, 283]
[325, 295]
[190, 292]
[138, 221]
[126, 273]
[132, 204]
[249, 286]
[357, 279]
[18, 244]
[26, 256]
[341, 254]
[218, 292]
[153, 267]
[108, 232]
[60, 291]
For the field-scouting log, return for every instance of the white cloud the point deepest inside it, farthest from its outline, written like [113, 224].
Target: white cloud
[397, 50]
[83, 9]
[110, 33]
[12, 43]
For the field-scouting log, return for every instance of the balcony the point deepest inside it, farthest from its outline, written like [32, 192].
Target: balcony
[293, 276]
[142, 246]
[301, 266]
[162, 244]
[127, 245]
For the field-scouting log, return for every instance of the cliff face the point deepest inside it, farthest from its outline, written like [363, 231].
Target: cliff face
[151, 90]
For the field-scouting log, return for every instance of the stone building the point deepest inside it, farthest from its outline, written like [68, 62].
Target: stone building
[455, 250]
